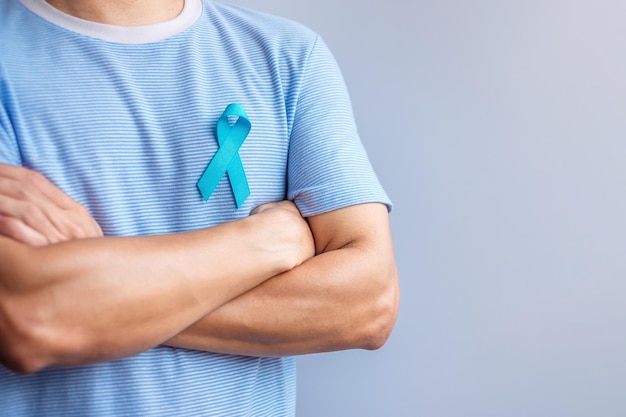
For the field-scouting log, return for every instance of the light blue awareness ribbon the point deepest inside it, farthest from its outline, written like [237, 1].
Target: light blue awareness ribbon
[226, 160]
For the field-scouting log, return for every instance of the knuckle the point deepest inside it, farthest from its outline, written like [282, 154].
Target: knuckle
[78, 221]
[15, 229]
[82, 211]
[76, 231]
[78, 224]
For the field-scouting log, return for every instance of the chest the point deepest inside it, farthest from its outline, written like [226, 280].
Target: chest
[130, 141]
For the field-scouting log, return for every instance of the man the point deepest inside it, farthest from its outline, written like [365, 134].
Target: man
[180, 127]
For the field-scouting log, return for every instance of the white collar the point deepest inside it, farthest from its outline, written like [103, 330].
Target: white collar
[119, 34]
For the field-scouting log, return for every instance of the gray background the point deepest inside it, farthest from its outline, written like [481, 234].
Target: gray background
[498, 130]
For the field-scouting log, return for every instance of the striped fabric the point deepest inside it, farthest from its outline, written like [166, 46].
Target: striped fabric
[123, 120]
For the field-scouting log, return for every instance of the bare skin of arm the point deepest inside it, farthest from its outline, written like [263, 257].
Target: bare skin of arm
[93, 300]
[346, 297]
[77, 302]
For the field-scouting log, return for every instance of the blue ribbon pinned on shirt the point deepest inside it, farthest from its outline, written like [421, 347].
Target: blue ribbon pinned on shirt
[227, 160]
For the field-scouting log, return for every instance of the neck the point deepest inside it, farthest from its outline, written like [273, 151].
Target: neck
[121, 12]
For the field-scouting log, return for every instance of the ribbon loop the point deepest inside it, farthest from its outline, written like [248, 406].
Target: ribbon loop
[226, 160]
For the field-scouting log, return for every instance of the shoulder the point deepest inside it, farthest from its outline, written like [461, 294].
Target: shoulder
[275, 34]
[12, 16]
[22, 32]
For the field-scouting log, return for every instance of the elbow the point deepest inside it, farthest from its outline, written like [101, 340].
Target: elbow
[19, 363]
[13, 355]
[28, 343]
[376, 340]
[16, 351]
[382, 315]
[19, 350]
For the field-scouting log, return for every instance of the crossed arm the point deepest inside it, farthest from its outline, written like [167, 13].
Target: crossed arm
[81, 301]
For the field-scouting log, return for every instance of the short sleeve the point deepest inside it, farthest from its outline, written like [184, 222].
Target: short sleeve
[328, 167]
[9, 150]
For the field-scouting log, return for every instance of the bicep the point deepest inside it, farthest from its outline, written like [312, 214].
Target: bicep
[365, 226]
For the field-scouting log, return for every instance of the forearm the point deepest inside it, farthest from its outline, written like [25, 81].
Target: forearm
[305, 310]
[346, 297]
[93, 300]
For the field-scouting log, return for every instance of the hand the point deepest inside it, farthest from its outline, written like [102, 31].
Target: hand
[36, 212]
[290, 228]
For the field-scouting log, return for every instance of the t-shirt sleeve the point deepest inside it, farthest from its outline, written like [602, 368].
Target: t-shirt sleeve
[328, 167]
[9, 151]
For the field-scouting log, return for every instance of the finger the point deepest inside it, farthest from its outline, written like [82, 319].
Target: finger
[16, 229]
[34, 181]
[31, 215]
[285, 205]
[74, 221]
[266, 207]
[27, 188]
[66, 219]
[77, 223]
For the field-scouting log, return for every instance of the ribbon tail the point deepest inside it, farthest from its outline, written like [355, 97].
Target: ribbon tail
[218, 167]
[238, 181]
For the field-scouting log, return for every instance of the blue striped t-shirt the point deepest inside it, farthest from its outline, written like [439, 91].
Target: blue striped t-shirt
[123, 120]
